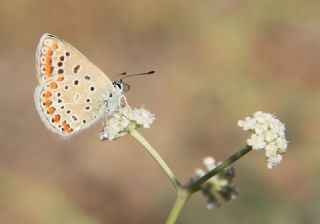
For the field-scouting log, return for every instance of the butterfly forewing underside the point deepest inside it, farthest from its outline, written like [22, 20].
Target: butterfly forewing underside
[73, 91]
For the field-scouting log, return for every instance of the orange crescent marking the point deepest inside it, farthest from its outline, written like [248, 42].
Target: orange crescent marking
[56, 118]
[66, 127]
[53, 85]
[48, 103]
[48, 66]
[51, 110]
[60, 78]
[54, 45]
[47, 94]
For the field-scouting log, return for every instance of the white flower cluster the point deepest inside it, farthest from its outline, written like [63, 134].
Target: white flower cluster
[123, 118]
[267, 133]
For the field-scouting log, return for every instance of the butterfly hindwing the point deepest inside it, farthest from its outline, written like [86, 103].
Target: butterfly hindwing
[68, 104]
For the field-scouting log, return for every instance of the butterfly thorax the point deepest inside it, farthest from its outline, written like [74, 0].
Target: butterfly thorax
[112, 102]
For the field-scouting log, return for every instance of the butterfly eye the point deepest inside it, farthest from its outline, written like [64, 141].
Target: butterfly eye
[118, 85]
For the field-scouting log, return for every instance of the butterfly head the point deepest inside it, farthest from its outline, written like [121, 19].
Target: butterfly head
[125, 87]
[121, 86]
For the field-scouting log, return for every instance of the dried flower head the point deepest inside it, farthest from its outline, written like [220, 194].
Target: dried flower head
[124, 119]
[267, 133]
[220, 184]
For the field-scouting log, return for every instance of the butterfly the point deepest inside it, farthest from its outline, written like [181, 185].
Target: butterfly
[72, 93]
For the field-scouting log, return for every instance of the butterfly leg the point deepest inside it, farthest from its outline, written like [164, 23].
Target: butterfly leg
[123, 101]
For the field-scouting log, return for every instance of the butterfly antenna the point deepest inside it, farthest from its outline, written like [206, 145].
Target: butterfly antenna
[125, 76]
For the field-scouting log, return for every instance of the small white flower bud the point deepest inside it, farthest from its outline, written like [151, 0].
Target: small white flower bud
[200, 172]
[209, 162]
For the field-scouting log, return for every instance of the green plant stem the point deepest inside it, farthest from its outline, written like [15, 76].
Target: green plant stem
[184, 192]
[182, 198]
[195, 186]
[157, 157]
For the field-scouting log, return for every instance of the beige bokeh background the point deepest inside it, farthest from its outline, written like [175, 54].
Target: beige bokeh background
[216, 61]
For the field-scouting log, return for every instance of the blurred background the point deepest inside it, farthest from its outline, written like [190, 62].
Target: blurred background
[216, 61]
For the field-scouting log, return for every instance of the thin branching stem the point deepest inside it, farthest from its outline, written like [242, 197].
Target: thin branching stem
[157, 157]
[182, 197]
[195, 186]
[185, 192]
